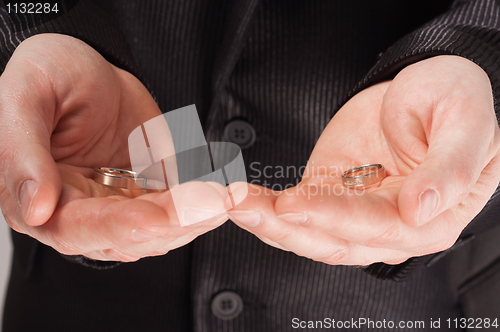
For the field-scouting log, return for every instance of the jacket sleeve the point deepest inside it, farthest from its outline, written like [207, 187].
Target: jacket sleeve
[80, 19]
[471, 29]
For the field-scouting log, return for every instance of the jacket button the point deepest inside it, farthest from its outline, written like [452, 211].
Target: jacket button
[240, 132]
[227, 305]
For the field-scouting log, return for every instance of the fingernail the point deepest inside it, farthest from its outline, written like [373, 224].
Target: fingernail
[141, 235]
[427, 203]
[295, 218]
[194, 215]
[247, 218]
[26, 194]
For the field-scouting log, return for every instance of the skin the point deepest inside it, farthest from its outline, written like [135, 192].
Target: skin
[65, 110]
[433, 126]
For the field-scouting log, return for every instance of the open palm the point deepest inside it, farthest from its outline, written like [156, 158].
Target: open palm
[434, 129]
[65, 111]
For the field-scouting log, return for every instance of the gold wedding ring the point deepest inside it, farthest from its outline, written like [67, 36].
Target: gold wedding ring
[122, 182]
[363, 176]
[120, 178]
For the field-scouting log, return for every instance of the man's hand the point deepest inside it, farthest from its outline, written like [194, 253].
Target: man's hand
[434, 129]
[63, 111]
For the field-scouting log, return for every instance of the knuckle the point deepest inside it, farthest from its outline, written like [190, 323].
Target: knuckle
[272, 243]
[67, 249]
[158, 253]
[282, 236]
[119, 255]
[336, 257]
[390, 235]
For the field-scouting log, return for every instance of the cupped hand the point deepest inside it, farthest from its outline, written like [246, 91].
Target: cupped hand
[64, 110]
[434, 129]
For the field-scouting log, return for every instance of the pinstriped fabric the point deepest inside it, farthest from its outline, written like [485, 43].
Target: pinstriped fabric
[85, 21]
[277, 286]
[64, 296]
[289, 80]
[175, 44]
[470, 29]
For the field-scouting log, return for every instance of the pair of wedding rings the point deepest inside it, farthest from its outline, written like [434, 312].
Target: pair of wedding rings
[129, 183]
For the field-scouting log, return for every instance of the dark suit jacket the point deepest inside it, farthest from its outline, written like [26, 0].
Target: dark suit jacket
[286, 66]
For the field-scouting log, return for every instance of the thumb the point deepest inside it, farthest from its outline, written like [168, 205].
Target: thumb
[27, 169]
[456, 156]
[439, 120]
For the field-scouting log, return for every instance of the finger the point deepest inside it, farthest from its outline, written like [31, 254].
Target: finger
[369, 219]
[441, 137]
[363, 218]
[163, 244]
[304, 241]
[269, 242]
[110, 255]
[194, 202]
[89, 224]
[456, 156]
[257, 214]
[177, 236]
[26, 167]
